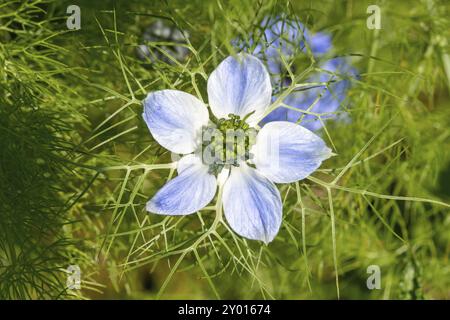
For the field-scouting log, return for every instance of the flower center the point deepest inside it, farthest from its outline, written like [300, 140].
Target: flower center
[227, 142]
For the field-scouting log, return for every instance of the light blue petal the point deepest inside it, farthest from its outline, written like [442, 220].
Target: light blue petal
[252, 204]
[175, 119]
[187, 193]
[285, 152]
[239, 85]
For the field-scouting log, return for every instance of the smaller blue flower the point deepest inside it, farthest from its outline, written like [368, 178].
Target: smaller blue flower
[288, 38]
[336, 74]
[159, 31]
[281, 36]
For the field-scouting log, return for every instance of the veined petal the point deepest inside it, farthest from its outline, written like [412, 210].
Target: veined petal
[240, 85]
[187, 193]
[285, 152]
[175, 119]
[252, 204]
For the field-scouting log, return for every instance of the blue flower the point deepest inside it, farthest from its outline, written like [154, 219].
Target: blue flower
[239, 93]
[288, 39]
[320, 99]
[159, 31]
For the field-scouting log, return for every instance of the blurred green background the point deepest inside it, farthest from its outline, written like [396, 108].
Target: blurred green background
[74, 153]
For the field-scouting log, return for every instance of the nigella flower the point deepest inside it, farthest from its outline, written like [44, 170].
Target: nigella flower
[287, 39]
[239, 93]
[159, 31]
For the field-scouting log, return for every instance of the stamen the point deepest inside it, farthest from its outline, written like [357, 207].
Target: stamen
[227, 143]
